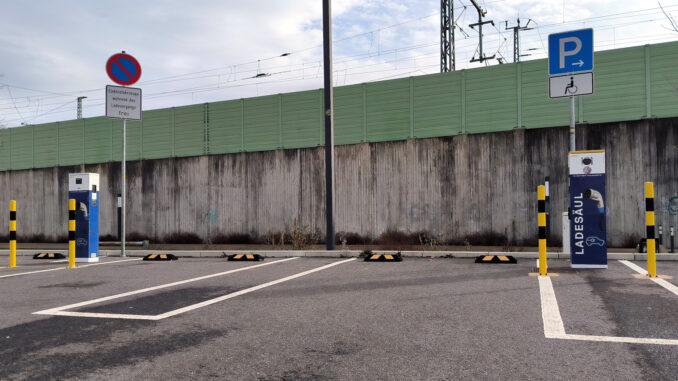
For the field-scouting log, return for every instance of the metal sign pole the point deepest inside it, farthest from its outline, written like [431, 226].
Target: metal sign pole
[124, 70]
[572, 126]
[547, 199]
[329, 124]
[122, 192]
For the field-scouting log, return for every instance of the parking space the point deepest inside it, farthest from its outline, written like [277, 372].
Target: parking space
[332, 318]
[175, 298]
[667, 268]
[27, 263]
[27, 266]
[592, 302]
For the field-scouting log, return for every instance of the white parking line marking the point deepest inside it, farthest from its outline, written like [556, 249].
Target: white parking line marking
[53, 311]
[31, 272]
[61, 311]
[554, 328]
[64, 268]
[550, 313]
[620, 339]
[662, 282]
[99, 315]
[248, 290]
[106, 263]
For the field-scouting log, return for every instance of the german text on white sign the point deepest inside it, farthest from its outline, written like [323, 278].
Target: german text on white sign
[123, 102]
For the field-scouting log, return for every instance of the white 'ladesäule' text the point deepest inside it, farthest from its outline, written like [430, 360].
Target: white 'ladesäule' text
[578, 226]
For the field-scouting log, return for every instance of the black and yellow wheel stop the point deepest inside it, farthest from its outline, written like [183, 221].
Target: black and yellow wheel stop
[245, 257]
[496, 259]
[377, 257]
[49, 256]
[160, 257]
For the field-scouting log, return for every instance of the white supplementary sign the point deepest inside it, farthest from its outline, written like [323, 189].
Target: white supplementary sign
[572, 84]
[123, 102]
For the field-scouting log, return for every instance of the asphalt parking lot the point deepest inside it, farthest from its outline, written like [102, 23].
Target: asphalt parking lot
[332, 318]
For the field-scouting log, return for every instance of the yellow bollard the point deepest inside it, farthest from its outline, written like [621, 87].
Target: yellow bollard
[12, 233]
[541, 221]
[649, 226]
[71, 233]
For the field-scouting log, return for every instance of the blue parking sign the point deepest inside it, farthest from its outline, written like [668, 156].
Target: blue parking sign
[571, 52]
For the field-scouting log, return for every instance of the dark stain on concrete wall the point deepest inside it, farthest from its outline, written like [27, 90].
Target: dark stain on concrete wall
[452, 187]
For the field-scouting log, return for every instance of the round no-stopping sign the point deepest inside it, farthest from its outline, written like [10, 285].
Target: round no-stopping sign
[123, 69]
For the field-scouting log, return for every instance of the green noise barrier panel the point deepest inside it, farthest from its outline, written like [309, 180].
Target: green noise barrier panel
[630, 84]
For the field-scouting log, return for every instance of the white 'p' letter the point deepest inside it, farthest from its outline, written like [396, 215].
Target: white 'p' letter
[564, 53]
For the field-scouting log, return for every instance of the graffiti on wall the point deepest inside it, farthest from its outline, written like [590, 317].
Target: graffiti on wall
[212, 216]
[672, 206]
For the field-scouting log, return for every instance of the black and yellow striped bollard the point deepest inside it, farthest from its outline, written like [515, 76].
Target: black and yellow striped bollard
[649, 227]
[541, 221]
[71, 233]
[12, 233]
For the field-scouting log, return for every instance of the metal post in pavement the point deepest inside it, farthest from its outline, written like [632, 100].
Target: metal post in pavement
[123, 191]
[649, 227]
[12, 233]
[541, 221]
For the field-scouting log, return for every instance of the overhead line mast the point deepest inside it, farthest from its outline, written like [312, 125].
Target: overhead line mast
[79, 108]
[516, 38]
[481, 13]
[447, 56]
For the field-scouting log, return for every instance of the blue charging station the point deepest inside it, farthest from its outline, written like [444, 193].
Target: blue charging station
[84, 188]
[588, 227]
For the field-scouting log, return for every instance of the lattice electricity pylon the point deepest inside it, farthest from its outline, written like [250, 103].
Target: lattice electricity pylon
[446, 36]
[516, 38]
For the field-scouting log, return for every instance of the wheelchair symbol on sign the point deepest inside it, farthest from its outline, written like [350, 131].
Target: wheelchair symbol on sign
[571, 88]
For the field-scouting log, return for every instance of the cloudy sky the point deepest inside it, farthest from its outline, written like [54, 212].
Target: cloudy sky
[199, 51]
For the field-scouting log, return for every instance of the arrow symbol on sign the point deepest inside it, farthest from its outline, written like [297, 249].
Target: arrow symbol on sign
[579, 63]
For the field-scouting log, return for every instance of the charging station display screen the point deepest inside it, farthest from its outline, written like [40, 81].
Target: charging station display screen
[588, 231]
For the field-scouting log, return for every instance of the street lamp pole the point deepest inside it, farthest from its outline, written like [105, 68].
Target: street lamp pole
[329, 124]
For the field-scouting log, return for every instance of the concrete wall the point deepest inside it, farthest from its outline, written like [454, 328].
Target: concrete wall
[451, 187]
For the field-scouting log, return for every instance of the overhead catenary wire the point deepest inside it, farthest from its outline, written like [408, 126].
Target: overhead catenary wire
[351, 66]
[544, 26]
[201, 89]
[299, 78]
[386, 54]
[432, 44]
[340, 39]
[71, 93]
[669, 17]
[14, 104]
